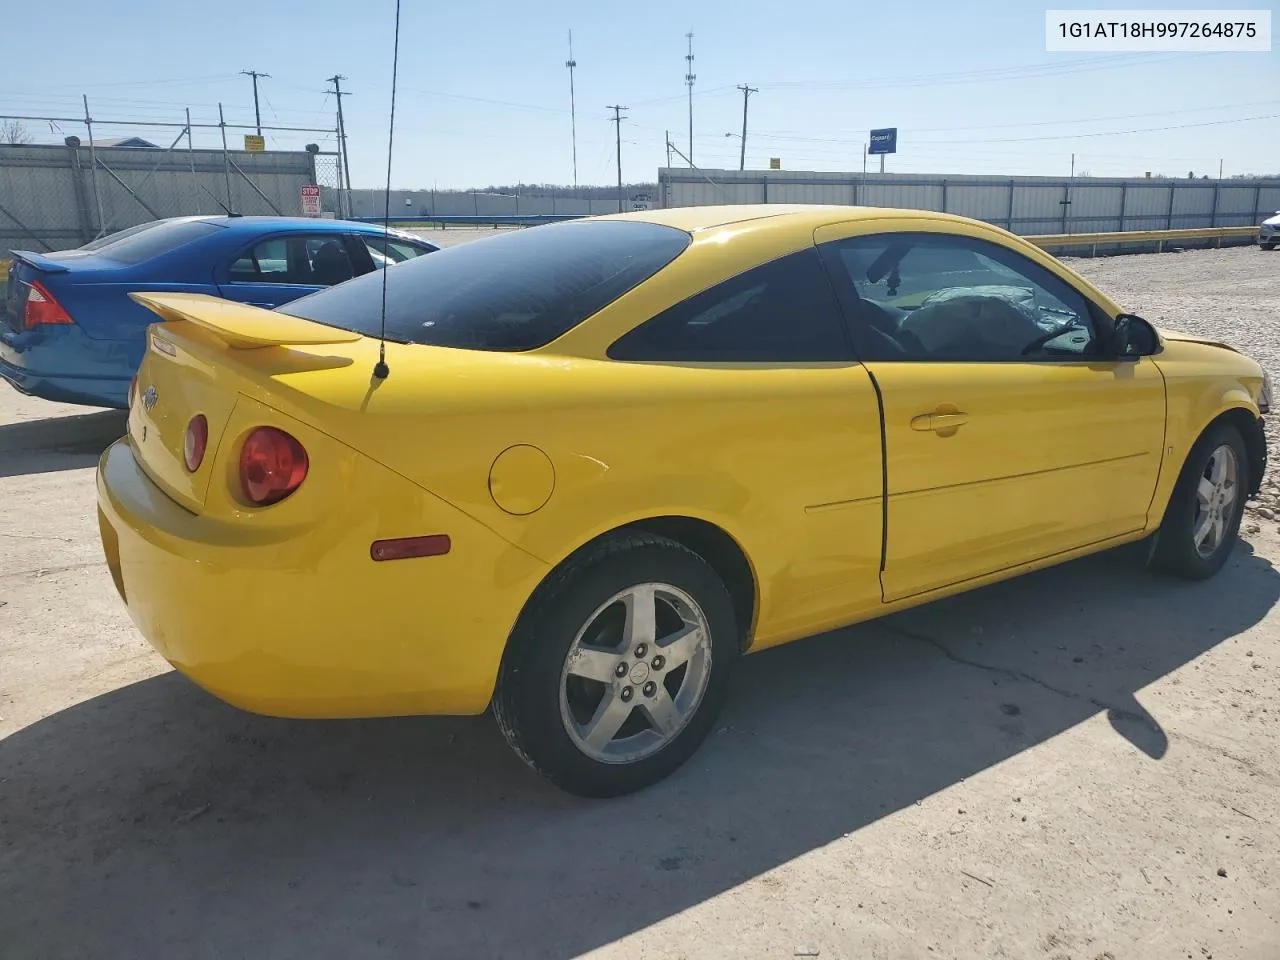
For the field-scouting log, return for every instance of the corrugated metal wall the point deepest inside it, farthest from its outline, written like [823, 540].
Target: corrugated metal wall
[52, 197]
[533, 201]
[1026, 205]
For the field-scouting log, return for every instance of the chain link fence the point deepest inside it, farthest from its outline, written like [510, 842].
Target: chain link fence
[57, 195]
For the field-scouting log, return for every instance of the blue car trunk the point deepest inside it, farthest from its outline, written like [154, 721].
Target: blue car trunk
[90, 358]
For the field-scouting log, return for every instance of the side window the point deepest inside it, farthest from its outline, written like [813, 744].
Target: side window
[937, 297]
[387, 252]
[783, 311]
[267, 262]
[307, 260]
[328, 260]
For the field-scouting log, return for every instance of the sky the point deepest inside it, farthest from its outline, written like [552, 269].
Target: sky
[483, 93]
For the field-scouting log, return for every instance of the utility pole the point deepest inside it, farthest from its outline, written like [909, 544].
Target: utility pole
[257, 114]
[689, 77]
[345, 172]
[666, 138]
[746, 94]
[617, 128]
[1219, 169]
[572, 64]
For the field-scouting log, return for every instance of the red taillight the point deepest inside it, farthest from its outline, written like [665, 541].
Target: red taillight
[194, 444]
[272, 466]
[43, 309]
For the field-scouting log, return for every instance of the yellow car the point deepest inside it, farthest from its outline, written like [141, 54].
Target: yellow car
[602, 459]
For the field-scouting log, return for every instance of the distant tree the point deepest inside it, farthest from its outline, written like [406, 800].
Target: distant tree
[14, 133]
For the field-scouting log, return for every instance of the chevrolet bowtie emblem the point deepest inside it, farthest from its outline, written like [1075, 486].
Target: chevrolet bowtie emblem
[149, 398]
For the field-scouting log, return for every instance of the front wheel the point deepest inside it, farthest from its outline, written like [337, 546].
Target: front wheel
[617, 670]
[1268, 245]
[1202, 520]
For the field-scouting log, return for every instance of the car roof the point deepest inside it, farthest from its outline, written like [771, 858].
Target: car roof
[317, 224]
[694, 219]
[257, 224]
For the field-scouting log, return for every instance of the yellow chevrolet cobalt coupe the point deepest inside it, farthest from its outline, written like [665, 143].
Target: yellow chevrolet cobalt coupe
[606, 458]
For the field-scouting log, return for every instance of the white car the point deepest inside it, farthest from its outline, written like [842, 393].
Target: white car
[1269, 232]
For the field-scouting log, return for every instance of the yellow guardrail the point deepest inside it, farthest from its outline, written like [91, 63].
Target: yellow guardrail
[1158, 237]
[4, 270]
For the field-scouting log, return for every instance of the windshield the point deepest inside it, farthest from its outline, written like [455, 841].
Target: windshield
[516, 291]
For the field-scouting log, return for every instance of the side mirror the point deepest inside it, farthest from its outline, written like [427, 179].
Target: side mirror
[1132, 337]
[1120, 336]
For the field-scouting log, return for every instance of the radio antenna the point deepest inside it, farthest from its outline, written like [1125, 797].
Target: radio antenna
[380, 369]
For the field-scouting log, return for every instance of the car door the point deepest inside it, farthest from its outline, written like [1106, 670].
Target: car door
[806, 456]
[1011, 435]
[284, 267]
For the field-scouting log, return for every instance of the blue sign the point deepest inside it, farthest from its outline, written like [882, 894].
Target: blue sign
[884, 141]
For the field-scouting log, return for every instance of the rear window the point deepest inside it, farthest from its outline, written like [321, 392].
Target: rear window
[159, 239]
[516, 291]
[121, 234]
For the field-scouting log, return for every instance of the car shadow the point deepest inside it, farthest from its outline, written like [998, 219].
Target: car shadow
[156, 821]
[58, 443]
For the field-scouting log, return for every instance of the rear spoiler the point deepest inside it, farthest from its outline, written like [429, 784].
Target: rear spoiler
[41, 263]
[239, 325]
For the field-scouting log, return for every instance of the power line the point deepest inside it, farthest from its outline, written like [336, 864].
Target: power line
[501, 103]
[856, 137]
[617, 130]
[572, 64]
[689, 77]
[746, 95]
[985, 75]
[1110, 133]
[338, 94]
[257, 114]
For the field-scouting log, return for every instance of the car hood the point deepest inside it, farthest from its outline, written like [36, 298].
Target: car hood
[1179, 337]
[1273, 221]
[1206, 355]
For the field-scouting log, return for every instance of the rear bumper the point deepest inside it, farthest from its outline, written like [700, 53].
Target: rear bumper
[303, 623]
[66, 365]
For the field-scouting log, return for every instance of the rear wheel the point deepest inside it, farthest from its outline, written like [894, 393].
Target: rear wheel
[1268, 245]
[1203, 517]
[618, 668]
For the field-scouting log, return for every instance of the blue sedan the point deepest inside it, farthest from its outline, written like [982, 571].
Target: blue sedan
[69, 331]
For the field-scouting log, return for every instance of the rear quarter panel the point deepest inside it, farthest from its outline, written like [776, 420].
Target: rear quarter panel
[237, 608]
[784, 459]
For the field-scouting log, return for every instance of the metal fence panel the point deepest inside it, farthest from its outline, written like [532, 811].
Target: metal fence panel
[1190, 207]
[1027, 205]
[977, 201]
[56, 196]
[39, 205]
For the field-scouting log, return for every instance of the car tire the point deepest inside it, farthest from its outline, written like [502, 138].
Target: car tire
[1202, 520]
[579, 664]
[1270, 245]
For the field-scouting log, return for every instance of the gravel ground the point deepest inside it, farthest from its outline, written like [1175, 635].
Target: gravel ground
[1076, 765]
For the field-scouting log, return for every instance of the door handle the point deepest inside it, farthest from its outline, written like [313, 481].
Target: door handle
[939, 422]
